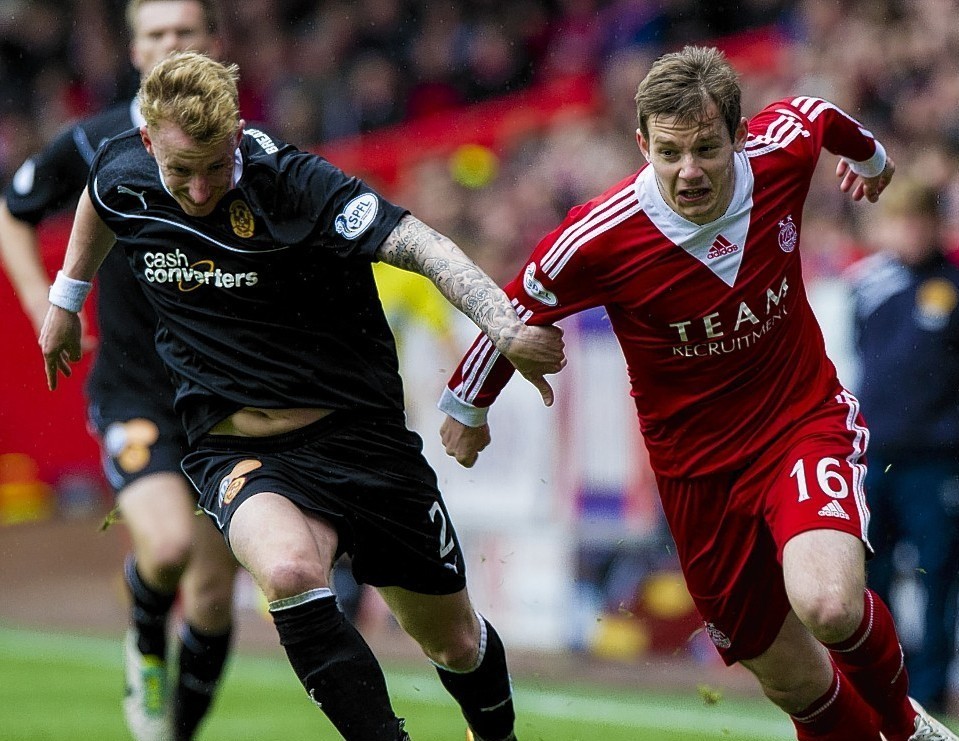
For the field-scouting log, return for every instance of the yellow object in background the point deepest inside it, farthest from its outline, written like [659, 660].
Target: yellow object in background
[23, 497]
[411, 298]
[620, 638]
[664, 595]
[473, 165]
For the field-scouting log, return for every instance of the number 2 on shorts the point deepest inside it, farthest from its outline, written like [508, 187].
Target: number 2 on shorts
[447, 546]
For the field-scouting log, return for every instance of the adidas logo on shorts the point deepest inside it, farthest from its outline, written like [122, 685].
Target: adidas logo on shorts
[833, 509]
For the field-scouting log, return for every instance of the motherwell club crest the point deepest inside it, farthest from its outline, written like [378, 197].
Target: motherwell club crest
[241, 219]
[230, 485]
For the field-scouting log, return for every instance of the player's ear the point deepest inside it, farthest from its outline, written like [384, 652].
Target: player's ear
[147, 142]
[643, 144]
[742, 131]
[239, 131]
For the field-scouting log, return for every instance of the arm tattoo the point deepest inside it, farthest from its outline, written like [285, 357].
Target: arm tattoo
[414, 246]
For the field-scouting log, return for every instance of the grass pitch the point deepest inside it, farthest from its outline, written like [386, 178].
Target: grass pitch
[56, 687]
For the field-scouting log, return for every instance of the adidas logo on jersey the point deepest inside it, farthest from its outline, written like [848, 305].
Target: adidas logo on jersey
[833, 509]
[720, 247]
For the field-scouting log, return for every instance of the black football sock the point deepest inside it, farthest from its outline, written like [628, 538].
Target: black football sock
[149, 612]
[202, 659]
[336, 666]
[484, 693]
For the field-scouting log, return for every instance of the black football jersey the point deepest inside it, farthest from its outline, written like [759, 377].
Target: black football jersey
[268, 301]
[127, 364]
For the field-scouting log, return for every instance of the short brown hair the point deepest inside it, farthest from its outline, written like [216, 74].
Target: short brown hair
[209, 14]
[683, 83]
[194, 92]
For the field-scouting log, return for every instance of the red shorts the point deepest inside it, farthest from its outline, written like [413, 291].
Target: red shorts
[730, 529]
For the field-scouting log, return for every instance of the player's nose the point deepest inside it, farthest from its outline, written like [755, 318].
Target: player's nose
[689, 168]
[200, 190]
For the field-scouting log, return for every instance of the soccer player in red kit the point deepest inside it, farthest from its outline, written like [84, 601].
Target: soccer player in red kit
[757, 448]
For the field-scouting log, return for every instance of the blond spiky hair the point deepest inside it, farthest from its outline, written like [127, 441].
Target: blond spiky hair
[195, 93]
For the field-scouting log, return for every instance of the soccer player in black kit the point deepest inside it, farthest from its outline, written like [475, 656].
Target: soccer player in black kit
[131, 407]
[257, 259]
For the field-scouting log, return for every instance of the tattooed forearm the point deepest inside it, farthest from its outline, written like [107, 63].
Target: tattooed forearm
[414, 246]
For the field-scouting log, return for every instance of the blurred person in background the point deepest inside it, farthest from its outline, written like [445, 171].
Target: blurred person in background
[757, 448]
[257, 259]
[906, 300]
[131, 409]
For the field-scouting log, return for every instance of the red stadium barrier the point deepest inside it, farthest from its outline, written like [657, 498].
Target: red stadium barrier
[49, 427]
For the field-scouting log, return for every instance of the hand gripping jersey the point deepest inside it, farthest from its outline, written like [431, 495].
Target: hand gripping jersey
[722, 348]
[269, 301]
[127, 365]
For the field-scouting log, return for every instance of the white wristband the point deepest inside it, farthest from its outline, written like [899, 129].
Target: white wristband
[69, 293]
[872, 166]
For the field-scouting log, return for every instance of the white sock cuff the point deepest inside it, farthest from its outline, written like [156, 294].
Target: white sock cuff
[300, 599]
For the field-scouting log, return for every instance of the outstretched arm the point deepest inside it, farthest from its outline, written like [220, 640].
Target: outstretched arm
[90, 241]
[533, 350]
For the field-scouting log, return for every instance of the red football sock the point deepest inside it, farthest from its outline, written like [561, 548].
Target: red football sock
[872, 660]
[839, 715]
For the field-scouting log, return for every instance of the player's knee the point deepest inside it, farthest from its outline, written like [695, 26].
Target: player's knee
[458, 652]
[165, 557]
[288, 576]
[459, 657]
[829, 616]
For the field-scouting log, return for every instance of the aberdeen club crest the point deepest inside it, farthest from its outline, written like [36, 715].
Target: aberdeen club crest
[788, 234]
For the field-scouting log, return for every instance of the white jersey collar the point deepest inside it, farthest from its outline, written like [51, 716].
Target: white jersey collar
[719, 245]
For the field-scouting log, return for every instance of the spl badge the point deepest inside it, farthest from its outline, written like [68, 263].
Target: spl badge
[241, 219]
[231, 484]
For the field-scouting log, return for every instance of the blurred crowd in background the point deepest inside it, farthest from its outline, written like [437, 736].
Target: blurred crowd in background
[316, 72]
[324, 74]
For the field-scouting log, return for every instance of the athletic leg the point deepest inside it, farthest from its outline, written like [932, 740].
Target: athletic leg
[158, 511]
[824, 572]
[204, 638]
[467, 652]
[290, 555]
[795, 672]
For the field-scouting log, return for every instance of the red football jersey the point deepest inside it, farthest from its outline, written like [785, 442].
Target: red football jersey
[723, 350]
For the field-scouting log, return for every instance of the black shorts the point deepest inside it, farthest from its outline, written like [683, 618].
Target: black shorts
[137, 439]
[364, 473]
